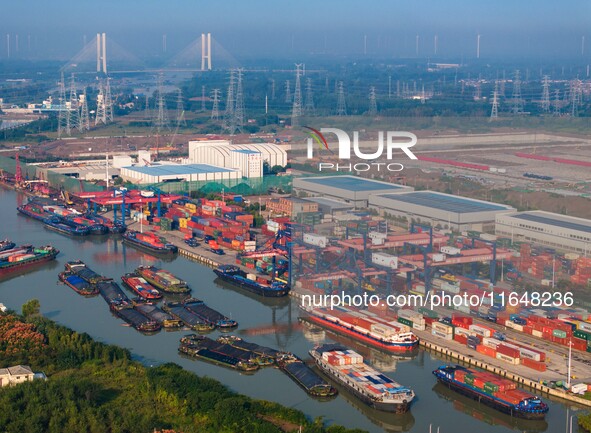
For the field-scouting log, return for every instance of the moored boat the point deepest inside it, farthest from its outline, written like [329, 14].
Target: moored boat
[189, 318]
[305, 377]
[78, 284]
[209, 315]
[113, 295]
[137, 320]
[163, 280]
[149, 242]
[217, 353]
[160, 316]
[34, 210]
[6, 245]
[140, 286]
[493, 391]
[237, 277]
[369, 385]
[65, 226]
[79, 268]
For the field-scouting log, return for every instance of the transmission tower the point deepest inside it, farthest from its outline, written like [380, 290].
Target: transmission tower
[309, 108]
[74, 106]
[287, 92]
[296, 110]
[575, 97]
[147, 107]
[180, 108]
[373, 105]
[230, 105]
[477, 91]
[101, 114]
[272, 89]
[202, 98]
[517, 101]
[494, 112]
[556, 102]
[546, 94]
[161, 121]
[341, 105]
[108, 101]
[215, 110]
[84, 124]
[63, 125]
[239, 112]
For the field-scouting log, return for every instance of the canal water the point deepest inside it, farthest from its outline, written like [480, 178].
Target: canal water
[272, 323]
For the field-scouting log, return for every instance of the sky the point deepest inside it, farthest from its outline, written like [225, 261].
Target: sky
[281, 28]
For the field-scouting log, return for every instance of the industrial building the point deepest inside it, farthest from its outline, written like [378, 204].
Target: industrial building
[438, 209]
[246, 158]
[331, 207]
[291, 206]
[166, 172]
[350, 189]
[562, 232]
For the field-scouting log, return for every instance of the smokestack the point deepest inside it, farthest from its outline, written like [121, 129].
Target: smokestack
[105, 53]
[202, 51]
[98, 52]
[209, 51]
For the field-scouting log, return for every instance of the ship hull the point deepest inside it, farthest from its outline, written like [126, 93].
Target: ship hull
[16, 267]
[392, 407]
[160, 252]
[389, 347]
[489, 401]
[254, 288]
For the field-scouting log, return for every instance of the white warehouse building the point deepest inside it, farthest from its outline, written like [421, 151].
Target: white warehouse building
[562, 232]
[222, 153]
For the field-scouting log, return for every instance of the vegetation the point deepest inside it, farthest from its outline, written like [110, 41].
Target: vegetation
[585, 422]
[94, 387]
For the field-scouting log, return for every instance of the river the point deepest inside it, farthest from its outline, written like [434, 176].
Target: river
[271, 323]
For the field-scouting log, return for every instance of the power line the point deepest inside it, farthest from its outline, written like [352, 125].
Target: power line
[341, 104]
[546, 94]
[287, 92]
[74, 109]
[309, 108]
[373, 105]
[494, 113]
[296, 110]
[84, 124]
[215, 110]
[228, 123]
[517, 101]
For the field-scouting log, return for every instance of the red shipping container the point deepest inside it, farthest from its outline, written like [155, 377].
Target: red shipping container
[462, 339]
[536, 365]
[508, 351]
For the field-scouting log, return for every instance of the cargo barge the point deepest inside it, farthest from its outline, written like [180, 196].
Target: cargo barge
[369, 385]
[140, 286]
[34, 210]
[78, 284]
[112, 227]
[25, 257]
[94, 228]
[209, 315]
[163, 280]
[305, 377]
[492, 391]
[218, 353]
[264, 355]
[149, 243]
[190, 319]
[113, 295]
[79, 268]
[65, 226]
[390, 336]
[237, 277]
[137, 320]
[154, 313]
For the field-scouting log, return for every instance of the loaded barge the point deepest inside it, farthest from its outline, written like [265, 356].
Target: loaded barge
[189, 318]
[209, 315]
[490, 390]
[163, 280]
[140, 286]
[369, 385]
[34, 210]
[138, 320]
[218, 353]
[149, 243]
[390, 336]
[113, 295]
[78, 284]
[237, 277]
[17, 259]
[65, 226]
[156, 314]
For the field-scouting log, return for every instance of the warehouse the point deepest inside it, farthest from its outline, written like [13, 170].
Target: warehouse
[350, 189]
[438, 209]
[562, 232]
[330, 207]
[244, 157]
[166, 172]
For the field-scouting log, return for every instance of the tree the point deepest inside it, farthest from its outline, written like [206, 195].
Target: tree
[31, 308]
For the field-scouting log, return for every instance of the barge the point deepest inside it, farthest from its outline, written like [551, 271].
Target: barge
[65, 226]
[149, 243]
[218, 353]
[25, 257]
[79, 268]
[78, 284]
[190, 319]
[163, 280]
[137, 320]
[154, 313]
[113, 295]
[306, 378]
[140, 286]
[209, 315]
[237, 277]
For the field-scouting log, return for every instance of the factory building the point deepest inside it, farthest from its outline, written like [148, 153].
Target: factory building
[243, 157]
[330, 207]
[291, 206]
[558, 231]
[166, 172]
[350, 189]
[438, 209]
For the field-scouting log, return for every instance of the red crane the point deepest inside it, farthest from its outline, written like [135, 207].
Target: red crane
[18, 175]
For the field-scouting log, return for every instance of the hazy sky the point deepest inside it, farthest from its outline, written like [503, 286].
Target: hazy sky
[279, 28]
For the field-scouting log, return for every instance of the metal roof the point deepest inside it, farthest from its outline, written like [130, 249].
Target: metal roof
[351, 183]
[246, 151]
[556, 221]
[173, 169]
[445, 202]
[333, 204]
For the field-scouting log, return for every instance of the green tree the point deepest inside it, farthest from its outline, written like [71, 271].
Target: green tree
[31, 308]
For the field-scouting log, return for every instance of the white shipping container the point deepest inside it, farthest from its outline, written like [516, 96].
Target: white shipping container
[419, 326]
[529, 354]
[463, 309]
[384, 259]
[485, 332]
[463, 331]
[409, 314]
[377, 235]
[518, 327]
[377, 241]
[490, 342]
[379, 329]
[509, 359]
[579, 388]
[488, 237]
[536, 333]
[438, 257]
[584, 326]
[502, 170]
[442, 327]
[443, 335]
[451, 288]
[316, 240]
[252, 277]
[452, 251]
